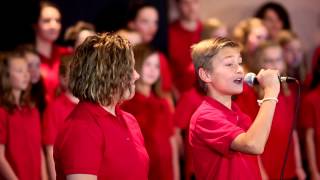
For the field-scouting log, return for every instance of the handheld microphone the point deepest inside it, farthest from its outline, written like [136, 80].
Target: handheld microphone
[250, 79]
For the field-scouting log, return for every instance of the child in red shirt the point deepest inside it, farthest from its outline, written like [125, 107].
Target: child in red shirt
[184, 32]
[270, 55]
[153, 114]
[143, 19]
[21, 155]
[56, 113]
[224, 140]
[37, 91]
[310, 121]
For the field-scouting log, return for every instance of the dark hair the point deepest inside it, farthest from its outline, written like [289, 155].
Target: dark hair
[101, 69]
[42, 4]
[6, 97]
[278, 9]
[135, 8]
[27, 48]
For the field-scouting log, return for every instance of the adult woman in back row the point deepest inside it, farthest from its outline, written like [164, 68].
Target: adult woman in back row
[47, 29]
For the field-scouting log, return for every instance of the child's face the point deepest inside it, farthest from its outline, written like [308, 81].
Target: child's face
[256, 36]
[189, 9]
[19, 74]
[49, 24]
[146, 23]
[33, 66]
[293, 53]
[226, 77]
[150, 71]
[273, 59]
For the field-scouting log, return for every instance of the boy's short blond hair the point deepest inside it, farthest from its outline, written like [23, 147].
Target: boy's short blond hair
[203, 52]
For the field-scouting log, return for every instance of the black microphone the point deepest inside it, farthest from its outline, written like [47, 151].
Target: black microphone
[250, 79]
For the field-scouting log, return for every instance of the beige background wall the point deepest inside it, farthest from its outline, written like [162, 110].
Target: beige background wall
[304, 15]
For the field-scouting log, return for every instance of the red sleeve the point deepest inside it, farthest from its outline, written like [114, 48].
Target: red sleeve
[82, 149]
[217, 132]
[49, 126]
[3, 126]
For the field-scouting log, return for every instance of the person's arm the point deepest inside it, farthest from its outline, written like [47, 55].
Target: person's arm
[5, 168]
[297, 153]
[81, 177]
[44, 172]
[263, 172]
[311, 154]
[50, 162]
[253, 141]
[175, 155]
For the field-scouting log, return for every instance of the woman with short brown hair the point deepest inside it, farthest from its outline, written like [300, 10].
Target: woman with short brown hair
[100, 141]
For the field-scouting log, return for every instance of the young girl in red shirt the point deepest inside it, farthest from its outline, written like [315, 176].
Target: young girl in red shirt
[21, 155]
[153, 114]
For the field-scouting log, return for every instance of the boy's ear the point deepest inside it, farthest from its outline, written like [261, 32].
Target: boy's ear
[204, 75]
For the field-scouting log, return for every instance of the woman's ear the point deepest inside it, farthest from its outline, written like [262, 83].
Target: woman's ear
[204, 75]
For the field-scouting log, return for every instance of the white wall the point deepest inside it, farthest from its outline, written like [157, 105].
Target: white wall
[304, 15]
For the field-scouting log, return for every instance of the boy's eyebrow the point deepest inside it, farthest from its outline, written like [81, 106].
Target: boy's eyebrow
[231, 56]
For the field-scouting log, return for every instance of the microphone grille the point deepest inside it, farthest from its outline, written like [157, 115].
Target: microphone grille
[249, 78]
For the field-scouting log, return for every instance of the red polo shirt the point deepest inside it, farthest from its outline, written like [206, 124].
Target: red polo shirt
[155, 119]
[93, 141]
[310, 117]
[213, 127]
[20, 133]
[49, 69]
[180, 41]
[54, 117]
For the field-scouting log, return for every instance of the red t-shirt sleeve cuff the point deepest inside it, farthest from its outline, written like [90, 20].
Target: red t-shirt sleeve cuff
[79, 171]
[231, 137]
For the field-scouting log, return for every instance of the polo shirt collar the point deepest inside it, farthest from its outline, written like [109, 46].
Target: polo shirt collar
[213, 102]
[95, 108]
